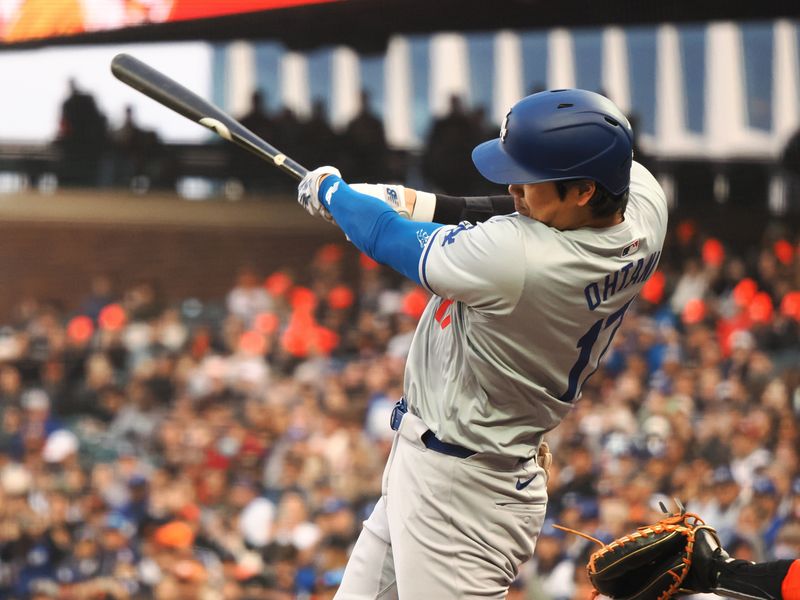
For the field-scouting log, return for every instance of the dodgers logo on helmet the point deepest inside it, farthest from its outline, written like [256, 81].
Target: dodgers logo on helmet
[504, 126]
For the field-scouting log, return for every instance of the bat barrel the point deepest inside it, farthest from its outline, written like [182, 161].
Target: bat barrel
[173, 95]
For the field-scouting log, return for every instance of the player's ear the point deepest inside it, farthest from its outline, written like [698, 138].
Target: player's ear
[585, 189]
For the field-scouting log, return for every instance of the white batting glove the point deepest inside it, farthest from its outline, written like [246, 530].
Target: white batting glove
[308, 191]
[393, 195]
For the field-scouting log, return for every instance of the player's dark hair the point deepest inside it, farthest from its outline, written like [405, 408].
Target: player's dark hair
[602, 203]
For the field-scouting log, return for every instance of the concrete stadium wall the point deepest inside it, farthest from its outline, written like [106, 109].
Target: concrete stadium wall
[53, 245]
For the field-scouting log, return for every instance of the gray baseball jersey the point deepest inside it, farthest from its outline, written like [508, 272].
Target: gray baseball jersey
[521, 316]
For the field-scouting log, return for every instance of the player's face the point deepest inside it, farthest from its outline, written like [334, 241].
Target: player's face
[541, 201]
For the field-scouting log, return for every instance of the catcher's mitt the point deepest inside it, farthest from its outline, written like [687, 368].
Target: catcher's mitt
[649, 564]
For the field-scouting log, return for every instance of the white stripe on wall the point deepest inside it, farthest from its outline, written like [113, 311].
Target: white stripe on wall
[615, 68]
[449, 72]
[724, 102]
[294, 83]
[560, 60]
[346, 82]
[670, 102]
[397, 83]
[508, 84]
[786, 86]
[241, 67]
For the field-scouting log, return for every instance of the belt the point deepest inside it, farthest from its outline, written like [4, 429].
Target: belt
[428, 438]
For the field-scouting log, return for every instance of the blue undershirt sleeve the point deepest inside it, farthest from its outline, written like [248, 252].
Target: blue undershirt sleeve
[375, 228]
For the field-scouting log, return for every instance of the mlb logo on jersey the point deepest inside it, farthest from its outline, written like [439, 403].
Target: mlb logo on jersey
[630, 248]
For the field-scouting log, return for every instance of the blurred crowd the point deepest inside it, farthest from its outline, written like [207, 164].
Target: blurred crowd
[230, 449]
[92, 152]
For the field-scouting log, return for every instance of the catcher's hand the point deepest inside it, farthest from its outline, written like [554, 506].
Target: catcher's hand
[651, 563]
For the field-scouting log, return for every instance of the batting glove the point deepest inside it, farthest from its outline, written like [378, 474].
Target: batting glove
[308, 191]
[393, 195]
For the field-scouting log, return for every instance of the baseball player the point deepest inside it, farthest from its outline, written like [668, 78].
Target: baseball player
[524, 306]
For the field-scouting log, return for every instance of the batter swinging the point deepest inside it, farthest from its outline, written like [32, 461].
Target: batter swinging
[525, 306]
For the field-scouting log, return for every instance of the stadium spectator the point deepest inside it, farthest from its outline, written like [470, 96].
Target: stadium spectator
[82, 138]
[320, 141]
[248, 299]
[446, 161]
[249, 168]
[364, 144]
[137, 154]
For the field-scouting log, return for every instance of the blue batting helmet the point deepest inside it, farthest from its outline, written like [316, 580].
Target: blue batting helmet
[557, 135]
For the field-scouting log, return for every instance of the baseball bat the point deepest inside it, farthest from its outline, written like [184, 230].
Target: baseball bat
[172, 94]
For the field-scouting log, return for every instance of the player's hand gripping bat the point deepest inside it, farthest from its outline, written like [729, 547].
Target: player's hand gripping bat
[171, 94]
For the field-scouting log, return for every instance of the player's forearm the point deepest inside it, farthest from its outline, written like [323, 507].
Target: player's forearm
[455, 209]
[451, 210]
[375, 228]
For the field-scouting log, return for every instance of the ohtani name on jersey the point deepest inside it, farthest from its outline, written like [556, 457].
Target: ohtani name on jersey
[598, 292]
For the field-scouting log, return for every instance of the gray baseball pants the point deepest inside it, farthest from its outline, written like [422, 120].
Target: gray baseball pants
[445, 527]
